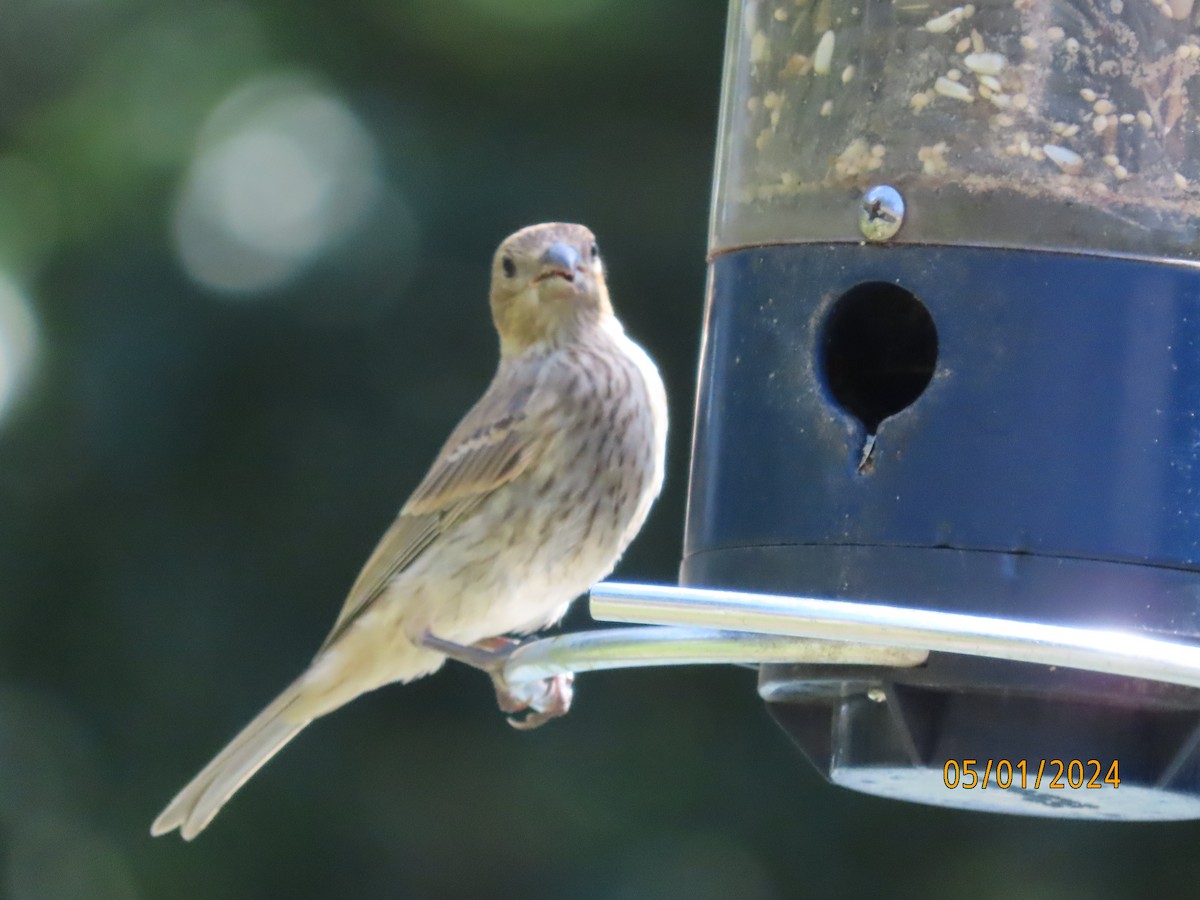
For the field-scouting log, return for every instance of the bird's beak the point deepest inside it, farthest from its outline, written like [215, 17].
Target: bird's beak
[559, 261]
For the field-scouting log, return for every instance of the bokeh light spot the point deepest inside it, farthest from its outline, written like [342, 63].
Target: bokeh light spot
[18, 343]
[284, 172]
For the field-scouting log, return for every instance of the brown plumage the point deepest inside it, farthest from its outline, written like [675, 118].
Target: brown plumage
[532, 499]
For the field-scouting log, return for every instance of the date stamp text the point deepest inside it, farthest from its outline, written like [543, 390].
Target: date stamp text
[1034, 774]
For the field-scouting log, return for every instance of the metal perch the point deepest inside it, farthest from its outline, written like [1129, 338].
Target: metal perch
[618, 648]
[1112, 652]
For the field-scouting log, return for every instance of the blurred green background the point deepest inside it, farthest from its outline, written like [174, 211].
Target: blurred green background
[244, 251]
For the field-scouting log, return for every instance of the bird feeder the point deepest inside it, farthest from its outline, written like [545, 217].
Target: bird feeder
[952, 365]
[945, 487]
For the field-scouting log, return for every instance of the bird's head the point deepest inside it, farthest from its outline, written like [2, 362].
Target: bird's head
[547, 283]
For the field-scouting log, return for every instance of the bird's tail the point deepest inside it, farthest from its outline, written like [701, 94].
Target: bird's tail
[194, 807]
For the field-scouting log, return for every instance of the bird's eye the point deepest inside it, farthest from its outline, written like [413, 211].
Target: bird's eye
[595, 252]
[510, 267]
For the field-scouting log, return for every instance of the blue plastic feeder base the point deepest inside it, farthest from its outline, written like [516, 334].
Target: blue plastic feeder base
[988, 431]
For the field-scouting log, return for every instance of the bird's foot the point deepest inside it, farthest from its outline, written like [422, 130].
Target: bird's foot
[545, 699]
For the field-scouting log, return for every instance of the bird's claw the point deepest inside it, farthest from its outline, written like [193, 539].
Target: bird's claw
[546, 699]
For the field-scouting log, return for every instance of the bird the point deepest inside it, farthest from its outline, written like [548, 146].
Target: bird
[532, 499]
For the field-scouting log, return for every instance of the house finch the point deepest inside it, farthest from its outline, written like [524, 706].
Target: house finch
[532, 500]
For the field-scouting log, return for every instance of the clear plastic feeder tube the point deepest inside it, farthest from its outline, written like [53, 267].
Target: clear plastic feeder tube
[1050, 124]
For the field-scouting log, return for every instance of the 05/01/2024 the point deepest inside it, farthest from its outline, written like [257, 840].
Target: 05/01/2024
[1021, 774]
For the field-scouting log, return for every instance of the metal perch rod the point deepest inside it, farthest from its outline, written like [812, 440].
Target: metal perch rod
[617, 648]
[1112, 652]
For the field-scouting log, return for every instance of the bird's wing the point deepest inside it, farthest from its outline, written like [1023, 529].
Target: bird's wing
[491, 446]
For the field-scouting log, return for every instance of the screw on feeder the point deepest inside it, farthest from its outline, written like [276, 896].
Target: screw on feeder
[881, 213]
